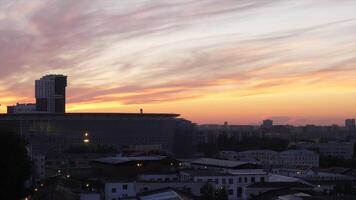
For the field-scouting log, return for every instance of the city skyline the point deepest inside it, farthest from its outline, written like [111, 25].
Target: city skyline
[240, 62]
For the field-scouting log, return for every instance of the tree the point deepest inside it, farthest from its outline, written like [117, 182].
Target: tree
[15, 166]
[221, 194]
[207, 192]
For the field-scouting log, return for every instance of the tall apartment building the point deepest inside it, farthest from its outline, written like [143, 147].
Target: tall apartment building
[50, 93]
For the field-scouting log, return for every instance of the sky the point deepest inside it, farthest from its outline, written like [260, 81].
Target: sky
[211, 61]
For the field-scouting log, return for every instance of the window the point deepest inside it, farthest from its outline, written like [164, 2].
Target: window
[253, 179]
[231, 192]
[239, 191]
[124, 187]
[231, 181]
[217, 181]
[262, 179]
[245, 179]
[223, 181]
[240, 180]
[113, 190]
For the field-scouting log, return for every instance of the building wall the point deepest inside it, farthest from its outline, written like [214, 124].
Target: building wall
[56, 132]
[235, 184]
[117, 190]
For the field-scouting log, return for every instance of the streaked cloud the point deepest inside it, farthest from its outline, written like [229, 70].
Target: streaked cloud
[123, 55]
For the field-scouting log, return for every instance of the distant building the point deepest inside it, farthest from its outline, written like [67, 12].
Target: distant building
[21, 108]
[288, 158]
[266, 157]
[343, 150]
[51, 94]
[267, 123]
[350, 123]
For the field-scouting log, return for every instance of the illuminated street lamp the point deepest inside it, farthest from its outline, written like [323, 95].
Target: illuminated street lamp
[86, 138]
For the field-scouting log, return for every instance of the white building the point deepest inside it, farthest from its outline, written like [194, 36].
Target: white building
[299, 158]
[190, 181]
[234, 181]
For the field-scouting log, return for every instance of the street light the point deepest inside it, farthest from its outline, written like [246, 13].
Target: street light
[86, 138]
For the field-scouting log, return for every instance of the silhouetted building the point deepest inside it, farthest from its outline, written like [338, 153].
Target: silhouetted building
[267, 123]
[350, 124]
[21, 108]
[50, 93]
[56, 132]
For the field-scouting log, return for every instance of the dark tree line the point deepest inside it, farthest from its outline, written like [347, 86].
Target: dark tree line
[225, 142]
[15, 167]
[209, 192]
[331, 161]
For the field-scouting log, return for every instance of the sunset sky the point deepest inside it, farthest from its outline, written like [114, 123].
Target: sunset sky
[211, 61]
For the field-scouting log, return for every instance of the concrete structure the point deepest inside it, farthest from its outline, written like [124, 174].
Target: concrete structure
[50, 93]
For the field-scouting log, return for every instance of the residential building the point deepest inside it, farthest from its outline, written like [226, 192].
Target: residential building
[50, 93]
[299, 158]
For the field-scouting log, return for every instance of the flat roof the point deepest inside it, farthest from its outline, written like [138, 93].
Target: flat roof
[219, 162]
[279, 185]
[119, 160]
[204, 172]
[86, 115]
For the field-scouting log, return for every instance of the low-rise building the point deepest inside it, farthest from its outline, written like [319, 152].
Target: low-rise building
[343, 150]
[299, 158]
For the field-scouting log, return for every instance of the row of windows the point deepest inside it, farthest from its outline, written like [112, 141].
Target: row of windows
[114, 190]
[231, 180]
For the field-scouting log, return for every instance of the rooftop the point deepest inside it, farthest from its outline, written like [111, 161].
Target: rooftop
[86, 115]
[119, 160]
[220, 163]
[280, 185]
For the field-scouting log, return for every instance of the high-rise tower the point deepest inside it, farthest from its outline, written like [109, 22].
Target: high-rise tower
[50, 94]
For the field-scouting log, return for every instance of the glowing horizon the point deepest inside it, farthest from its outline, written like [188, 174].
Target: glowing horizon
[209, 60]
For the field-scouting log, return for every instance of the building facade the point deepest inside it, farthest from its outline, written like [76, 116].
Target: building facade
[50, 93]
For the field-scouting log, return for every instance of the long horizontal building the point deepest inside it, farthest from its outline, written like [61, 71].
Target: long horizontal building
[47, 131]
